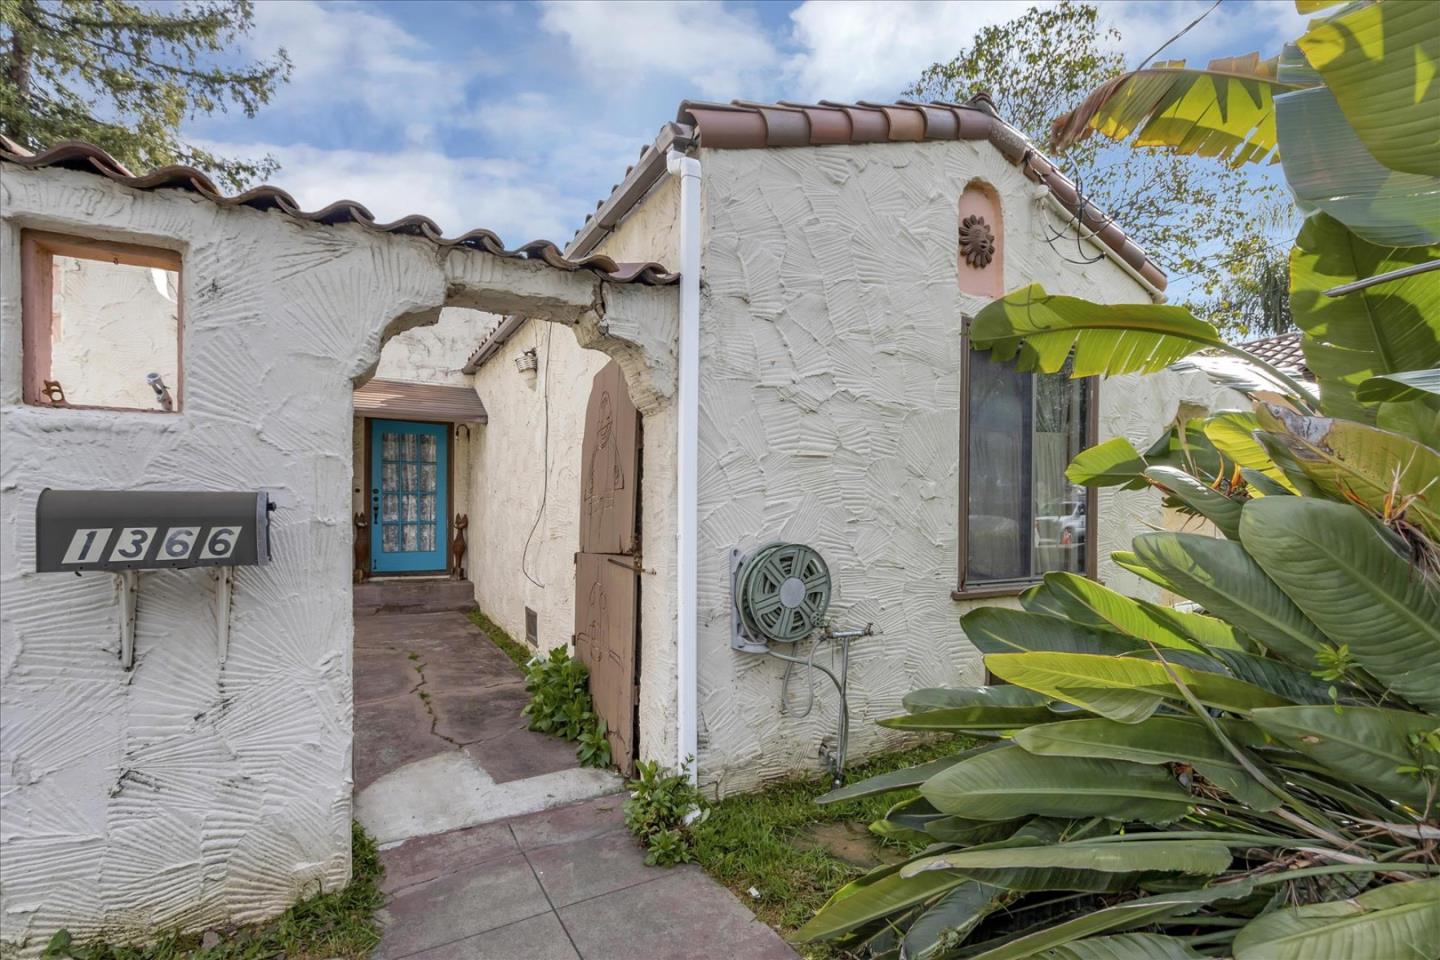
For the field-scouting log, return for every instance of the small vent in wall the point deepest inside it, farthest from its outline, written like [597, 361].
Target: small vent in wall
[532, 627]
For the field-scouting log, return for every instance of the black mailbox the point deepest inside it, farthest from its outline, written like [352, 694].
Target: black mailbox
[150, 529]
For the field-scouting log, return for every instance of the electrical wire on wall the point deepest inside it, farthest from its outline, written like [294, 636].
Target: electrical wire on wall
[545, 458]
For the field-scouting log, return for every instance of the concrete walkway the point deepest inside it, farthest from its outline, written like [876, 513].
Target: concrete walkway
[495, 843]
[439, 740]
[564, 884]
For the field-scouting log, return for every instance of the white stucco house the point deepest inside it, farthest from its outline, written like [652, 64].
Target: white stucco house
[759, 336]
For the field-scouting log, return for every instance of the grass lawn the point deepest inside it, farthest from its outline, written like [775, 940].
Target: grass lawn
[336, 924]
[511, 647]
[751, 841]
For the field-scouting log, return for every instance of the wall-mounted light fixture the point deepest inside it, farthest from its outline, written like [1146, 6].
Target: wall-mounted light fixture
[527, 361]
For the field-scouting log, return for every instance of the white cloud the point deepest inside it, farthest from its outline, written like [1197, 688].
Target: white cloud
[1231, 29]
[722, 52]
[347, 56]
[458, 193]
[856, 50]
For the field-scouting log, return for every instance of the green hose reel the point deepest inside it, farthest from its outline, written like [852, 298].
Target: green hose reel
[780, 594]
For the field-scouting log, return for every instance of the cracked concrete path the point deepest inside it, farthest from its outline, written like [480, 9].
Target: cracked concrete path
[449, 781]
[439, 740]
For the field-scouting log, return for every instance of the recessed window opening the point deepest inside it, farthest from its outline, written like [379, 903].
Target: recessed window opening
[1020, 517]
[102, 324]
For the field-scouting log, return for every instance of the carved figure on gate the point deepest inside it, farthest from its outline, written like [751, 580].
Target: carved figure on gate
[604, 474]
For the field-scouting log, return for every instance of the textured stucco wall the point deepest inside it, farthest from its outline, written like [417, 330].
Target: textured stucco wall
[509, 467]
[188, 792]
[112, 326]
[830, 351]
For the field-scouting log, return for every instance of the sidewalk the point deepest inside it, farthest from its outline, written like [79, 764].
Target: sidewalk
[564, 884]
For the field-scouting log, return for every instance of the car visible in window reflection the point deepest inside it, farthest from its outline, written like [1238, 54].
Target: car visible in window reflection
[1062, 523]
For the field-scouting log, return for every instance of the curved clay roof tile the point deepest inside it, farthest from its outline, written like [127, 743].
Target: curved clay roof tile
[88, 158]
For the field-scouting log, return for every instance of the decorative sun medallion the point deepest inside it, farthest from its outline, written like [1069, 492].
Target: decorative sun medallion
[977, 242]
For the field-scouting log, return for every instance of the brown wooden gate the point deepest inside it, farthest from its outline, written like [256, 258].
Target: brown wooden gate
[607, 582]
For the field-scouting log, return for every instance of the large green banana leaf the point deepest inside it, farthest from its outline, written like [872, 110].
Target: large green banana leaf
[1025, 868]
[898, 779]
[1380, 61]
[1348, 577]
[1000, 630]
[1356, 461]
[1233, 434]
[1368, 746]
[1129, 560]
[1158, 740]
[1009, 782]
[975, 717]
[1085, 680]
[1419, 419]
[1388, 328]
[1399, 921]
[1224, 579]
[1282, 679]
[1105, 339]
[1409, 385]
[1226, 110]
[1124, 946]
[1133, 913]
[952, 917]
[949, 698]
[1114, 463]
[877, 894]
[1211, 632]
[1211, 504]
[1119, 612]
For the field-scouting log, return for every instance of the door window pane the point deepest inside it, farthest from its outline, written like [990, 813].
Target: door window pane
[412, 536]
[390, 538]
[427, 448]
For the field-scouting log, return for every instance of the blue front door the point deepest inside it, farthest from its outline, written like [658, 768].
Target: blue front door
[409, 499]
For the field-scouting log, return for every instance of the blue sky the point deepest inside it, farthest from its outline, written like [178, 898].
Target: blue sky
[520, 116]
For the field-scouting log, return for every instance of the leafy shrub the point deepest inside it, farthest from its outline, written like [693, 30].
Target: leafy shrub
[560, 704]
[663, 807]
[1256, 777]
[594, 749]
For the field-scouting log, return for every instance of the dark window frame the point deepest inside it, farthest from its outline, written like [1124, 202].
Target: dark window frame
[1010, 588]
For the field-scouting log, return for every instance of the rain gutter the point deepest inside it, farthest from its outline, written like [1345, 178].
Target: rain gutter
[687, 461]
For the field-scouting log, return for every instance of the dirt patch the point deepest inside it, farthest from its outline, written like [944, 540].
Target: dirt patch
[850, 841]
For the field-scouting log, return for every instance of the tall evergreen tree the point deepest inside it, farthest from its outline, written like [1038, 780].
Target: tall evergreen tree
[125, 76]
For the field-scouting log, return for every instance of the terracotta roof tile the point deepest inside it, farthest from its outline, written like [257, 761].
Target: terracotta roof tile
[1284, 352]
[87, 157]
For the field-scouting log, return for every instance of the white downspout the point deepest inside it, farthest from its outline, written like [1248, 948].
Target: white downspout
[687, 466]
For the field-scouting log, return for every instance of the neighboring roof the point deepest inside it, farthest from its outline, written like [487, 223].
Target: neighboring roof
[1282, 352]
[425, 401]
[87, 157]
[493, 341]
[745, 125]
